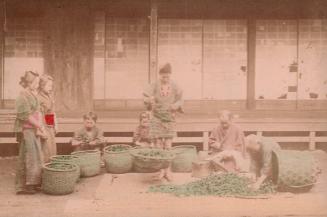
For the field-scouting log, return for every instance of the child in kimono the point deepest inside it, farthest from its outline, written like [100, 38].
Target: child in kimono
[141, 135]
[89, 137]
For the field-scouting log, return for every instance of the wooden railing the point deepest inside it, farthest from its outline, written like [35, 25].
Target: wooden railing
[196, 131]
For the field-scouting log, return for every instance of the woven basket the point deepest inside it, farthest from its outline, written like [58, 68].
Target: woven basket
[89, 162]
[71, 159]
[148, 164]
[294, 170]
[59, 178]
[185, 155]
[118, 161]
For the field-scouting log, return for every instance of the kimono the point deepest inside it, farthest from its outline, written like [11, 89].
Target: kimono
[30, 157]
[261, 162]
[229, 139]
[84, 136]
[141, 134]
[162, 122]
[49, 145]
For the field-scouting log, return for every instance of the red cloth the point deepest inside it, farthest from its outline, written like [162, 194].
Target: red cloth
[49, 119]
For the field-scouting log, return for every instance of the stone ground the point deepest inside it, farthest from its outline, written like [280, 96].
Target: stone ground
[125, 196]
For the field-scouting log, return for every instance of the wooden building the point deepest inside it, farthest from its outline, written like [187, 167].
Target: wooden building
[261, 58]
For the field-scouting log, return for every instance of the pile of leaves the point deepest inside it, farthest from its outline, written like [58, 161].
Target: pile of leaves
[60, 166]
[64, 157]
[153, 153]
[224, 185]
[118, 148]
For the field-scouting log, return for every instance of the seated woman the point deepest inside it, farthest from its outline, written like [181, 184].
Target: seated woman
[141, 135]
[89, 137]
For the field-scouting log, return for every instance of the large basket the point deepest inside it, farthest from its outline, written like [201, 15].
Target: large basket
[89, 162]
[148, 164]
[118, 161]
[71, 159]
[59, 178]
[185, 155]
[294, 170]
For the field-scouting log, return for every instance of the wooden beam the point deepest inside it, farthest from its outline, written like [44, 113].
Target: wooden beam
[251, 46]
[153, 40]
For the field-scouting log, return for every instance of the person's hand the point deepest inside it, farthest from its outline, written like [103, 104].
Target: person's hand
[215, 145]
[173, 107]
[76, 143]
[256, 186]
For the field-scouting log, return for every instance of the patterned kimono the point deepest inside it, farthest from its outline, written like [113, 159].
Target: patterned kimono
[84, 136]
[49, 145]
[162, 122]
[30, 151]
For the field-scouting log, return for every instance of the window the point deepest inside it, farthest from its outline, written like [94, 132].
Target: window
[313, 59]
[121, 58]
[276, 60]
[225, 59]
[23, 51]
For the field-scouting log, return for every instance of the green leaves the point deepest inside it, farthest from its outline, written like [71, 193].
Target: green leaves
[228, 185]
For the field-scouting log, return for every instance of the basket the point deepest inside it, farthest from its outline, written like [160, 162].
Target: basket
[185, 155]
[150, 164]
[118, 161]
[294, 171]
[59, 178]
[89, 162]
[71, 159]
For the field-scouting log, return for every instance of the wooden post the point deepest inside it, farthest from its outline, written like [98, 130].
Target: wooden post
[251, 46]
[2, 49]
[205, 141]
[312, 143]
[153, 40]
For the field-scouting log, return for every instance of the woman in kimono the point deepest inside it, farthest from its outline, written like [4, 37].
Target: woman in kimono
[45, 98]
[164, 99]
[29, 129]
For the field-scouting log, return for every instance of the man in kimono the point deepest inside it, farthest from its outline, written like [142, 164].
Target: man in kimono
[261, 150]
[227, 138]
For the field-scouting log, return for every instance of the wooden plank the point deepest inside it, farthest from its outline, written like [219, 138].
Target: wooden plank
[312, 143]
[251, 48]
[277, 104]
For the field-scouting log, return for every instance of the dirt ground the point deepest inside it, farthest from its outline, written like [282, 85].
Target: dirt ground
[125, 196]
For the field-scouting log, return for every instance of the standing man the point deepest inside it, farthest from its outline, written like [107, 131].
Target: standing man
[164, 99]
[227, 137]
[261, 150]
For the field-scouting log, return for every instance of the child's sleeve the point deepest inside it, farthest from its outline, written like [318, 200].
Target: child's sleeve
[78, 136]
[100, 137]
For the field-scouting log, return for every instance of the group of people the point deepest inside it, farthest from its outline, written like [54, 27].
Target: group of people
[36, 127]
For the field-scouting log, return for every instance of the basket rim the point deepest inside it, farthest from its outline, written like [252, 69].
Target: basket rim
[45, 166]
[54, 157]
[85, 152]
[135, 154]
[105, 150]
